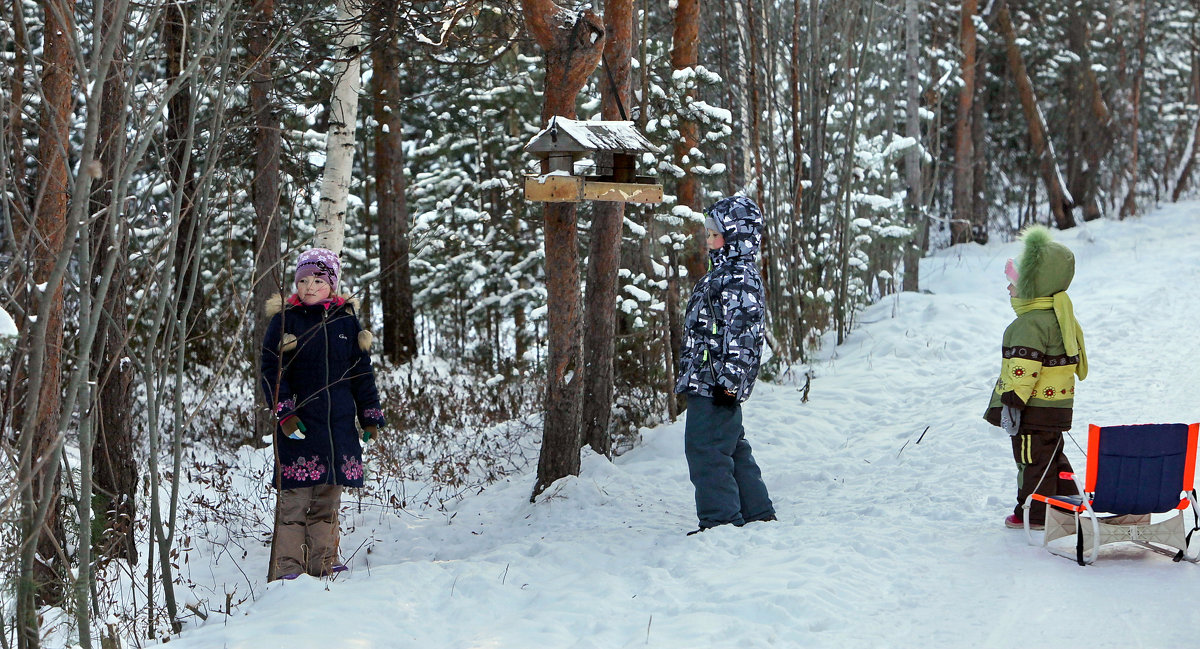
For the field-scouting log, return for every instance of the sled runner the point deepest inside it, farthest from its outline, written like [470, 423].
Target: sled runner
[1132, 473]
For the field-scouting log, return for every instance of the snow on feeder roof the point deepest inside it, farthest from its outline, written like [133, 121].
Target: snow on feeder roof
[563, 134]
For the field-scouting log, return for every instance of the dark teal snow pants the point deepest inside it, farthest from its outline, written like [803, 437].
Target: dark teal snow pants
[729, 485]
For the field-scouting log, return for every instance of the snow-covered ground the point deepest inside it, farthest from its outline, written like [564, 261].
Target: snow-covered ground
[885, 538]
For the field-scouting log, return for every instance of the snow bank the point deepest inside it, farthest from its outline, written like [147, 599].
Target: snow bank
[890, 489]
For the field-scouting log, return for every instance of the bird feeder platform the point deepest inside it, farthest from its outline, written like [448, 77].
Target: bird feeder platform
[615, 145]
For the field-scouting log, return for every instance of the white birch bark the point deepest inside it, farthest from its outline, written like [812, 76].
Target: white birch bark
[744, 102]
[339, 142]
[1185, 159]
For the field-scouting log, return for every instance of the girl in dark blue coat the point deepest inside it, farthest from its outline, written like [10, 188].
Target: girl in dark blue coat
[318, 379]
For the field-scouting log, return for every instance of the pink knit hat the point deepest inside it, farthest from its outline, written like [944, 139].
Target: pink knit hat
[320, 262]
[1010, 271]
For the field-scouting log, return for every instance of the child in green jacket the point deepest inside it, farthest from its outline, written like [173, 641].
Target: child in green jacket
[1043, 352]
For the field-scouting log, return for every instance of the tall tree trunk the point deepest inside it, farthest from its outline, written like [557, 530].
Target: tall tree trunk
[674, 337]
[399, 317]
[757, 177]
[732, 65]
[343, 119]
[15, 132]
[817, 103]
[767, 201]
[269, 277]
[1060, 200]
[1089, 128]
[1187, 162]
[1178, 180]
[914, 202]
[604, 257]
[788, 323]
[964, 143]
[115, 485]
[180, 129]
[1129, 206]
[685, 54]
[979, 152]
[43, 568]
[573, 43]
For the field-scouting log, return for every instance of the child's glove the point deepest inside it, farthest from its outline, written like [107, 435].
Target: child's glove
[369, 432]
[1010, 420]
[724, 398]
[293, 427]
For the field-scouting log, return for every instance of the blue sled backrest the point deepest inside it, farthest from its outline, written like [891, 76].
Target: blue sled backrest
[1140, 469]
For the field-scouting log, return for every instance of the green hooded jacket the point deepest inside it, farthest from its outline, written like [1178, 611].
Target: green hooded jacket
[1039, 364]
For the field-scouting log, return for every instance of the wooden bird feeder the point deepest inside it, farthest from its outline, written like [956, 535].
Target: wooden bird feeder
[564, 141]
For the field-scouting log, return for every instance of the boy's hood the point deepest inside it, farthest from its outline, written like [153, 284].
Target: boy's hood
[741, 224]
[1046, 267]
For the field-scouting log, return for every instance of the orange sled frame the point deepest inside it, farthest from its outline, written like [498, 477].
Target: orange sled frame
[1132, 472]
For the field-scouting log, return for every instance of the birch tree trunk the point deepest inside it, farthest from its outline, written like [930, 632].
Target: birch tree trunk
[339, 141]
[604, 256]
[573, 43]
[1183, 171]
[914, 201]
[399, 317]
[1060, 200]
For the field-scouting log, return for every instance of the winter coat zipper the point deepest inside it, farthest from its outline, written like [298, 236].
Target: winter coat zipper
[328, 395]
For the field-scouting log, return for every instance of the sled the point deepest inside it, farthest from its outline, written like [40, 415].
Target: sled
[1133, 473]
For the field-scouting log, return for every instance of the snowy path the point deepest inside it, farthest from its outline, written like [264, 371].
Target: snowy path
[882, 542]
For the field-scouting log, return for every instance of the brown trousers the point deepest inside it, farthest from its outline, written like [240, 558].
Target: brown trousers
[1040, 459]
[306, 531]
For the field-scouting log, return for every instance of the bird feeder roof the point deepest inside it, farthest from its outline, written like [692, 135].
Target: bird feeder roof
[572, 135]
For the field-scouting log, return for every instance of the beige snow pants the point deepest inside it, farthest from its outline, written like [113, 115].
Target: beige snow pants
[306, 531]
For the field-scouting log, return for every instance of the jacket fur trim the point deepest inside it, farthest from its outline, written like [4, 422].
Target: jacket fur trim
[276, 302]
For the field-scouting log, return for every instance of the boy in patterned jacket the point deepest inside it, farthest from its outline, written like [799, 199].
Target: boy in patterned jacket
[723, 337]
[1042, 352]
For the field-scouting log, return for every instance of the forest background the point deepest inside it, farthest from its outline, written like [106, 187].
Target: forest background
[162, 166]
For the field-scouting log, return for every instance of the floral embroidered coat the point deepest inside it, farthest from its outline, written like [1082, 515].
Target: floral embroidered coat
[1037, 375]
[315, 365]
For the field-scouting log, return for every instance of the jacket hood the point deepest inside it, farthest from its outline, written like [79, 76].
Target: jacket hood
[1046, 267]
[741, 224]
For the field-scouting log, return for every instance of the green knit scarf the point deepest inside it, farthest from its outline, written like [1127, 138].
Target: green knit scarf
[1072, 333]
